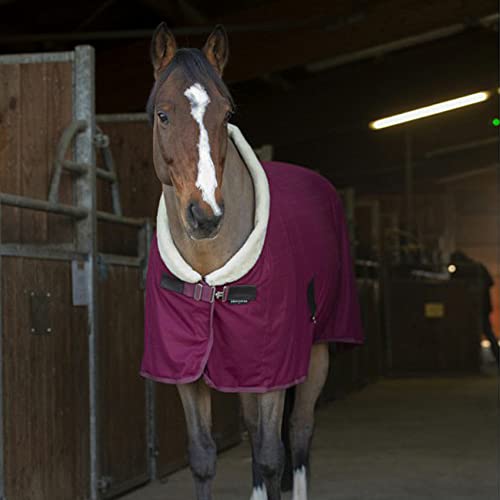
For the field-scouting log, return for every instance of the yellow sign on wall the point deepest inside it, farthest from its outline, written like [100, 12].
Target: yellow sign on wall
[434, 310]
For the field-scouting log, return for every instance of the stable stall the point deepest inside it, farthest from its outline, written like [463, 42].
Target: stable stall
[78, 421]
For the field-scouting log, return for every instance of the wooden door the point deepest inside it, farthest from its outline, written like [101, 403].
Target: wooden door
[44, 338]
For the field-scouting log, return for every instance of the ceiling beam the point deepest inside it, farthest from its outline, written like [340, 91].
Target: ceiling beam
[273, 27]
[95, 14]
[469, 173]
[403, 43]
[264, 44]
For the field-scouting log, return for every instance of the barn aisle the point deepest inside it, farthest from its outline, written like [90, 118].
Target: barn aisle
[397, 439]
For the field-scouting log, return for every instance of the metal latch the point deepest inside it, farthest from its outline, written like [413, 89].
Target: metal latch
[104, 483]
[79, 281]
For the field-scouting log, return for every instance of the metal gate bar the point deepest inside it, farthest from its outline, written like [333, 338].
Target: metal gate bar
[151, 433]
[122, 117]
[86, 231]
[109, 173]
[2, 462]
[14, 200]
[45, 206]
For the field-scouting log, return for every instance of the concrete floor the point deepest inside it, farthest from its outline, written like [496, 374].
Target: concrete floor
[397, 439]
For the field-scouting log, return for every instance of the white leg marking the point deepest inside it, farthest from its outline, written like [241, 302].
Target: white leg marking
[206, 181]
[300, 484]
[259, 493]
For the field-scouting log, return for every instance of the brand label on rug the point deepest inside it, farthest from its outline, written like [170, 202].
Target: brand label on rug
[239, 301]
[241, 294]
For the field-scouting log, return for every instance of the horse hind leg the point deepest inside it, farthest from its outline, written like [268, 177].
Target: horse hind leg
[302, 419]
[196, 401]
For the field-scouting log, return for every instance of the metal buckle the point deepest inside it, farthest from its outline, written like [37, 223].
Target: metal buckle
[198, 291]
[222, 294]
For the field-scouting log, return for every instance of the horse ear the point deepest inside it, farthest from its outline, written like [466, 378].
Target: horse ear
[216, 48]
[163, 48]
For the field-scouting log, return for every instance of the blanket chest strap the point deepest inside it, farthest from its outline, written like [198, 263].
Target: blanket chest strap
[236, 294]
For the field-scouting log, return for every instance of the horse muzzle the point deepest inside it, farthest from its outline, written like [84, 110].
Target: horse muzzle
[202, 224]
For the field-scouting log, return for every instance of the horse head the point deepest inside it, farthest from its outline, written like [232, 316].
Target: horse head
[189, 108]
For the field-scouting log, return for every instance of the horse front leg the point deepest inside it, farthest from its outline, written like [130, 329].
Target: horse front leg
[249, 405]
[269, 450]
[196, 401]
[302, 418]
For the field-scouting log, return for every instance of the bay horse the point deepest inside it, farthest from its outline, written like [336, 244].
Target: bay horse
[214, 319]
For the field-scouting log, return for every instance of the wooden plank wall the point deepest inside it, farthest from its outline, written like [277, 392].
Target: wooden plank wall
[352, 367]
[35, 107]
[46, 376]
[122, 396]
[371, 354]
[423, 345]
[121, 313]
[226, 427]
[140, 190]
[45, 385]
[171, 435]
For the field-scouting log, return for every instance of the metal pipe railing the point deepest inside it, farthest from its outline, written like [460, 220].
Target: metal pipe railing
[14, 200]
[105, 174]
[122, 118]
[112, 259]
[82, 168]
[74, 167]
[109, 172]
[120, 219]
[65, 253]
[47, 252]
[69, 133]
[68, 210]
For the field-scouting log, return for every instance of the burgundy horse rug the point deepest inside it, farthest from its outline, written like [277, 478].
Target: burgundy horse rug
[249, 326]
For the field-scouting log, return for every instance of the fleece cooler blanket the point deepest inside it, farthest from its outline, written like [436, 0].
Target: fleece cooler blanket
[250, 325]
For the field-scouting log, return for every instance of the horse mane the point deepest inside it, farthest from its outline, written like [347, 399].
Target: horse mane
[196, 68]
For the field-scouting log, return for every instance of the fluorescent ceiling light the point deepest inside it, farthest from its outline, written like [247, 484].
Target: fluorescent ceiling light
[433, 109]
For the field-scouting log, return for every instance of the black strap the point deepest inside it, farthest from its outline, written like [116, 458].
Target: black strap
[236, 294]
[311, 300]
[171, 283]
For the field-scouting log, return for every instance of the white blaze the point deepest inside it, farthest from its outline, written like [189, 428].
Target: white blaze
[299, 484]
[206, 181]
[259, 493]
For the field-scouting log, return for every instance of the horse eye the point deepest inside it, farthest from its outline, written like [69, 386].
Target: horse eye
[228, 116]
[163, 116]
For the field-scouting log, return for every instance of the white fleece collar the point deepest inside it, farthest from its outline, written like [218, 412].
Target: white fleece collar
[246, 257]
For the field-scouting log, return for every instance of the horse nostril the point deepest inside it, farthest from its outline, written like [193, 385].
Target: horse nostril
[193, 215]
[198, 215]
[199, 219]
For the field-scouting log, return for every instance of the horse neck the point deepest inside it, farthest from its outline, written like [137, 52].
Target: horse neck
[239, 205]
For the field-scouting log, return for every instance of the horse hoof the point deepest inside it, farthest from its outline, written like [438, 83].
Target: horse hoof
[259, 493]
